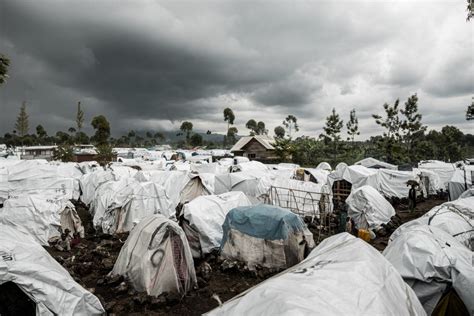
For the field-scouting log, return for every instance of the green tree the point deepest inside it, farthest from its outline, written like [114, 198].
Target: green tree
[284, 149]
[102, 130]
[159, 137]
[79, 117]
[186, 128]
[470, 10]
[63, 138]
[261, 129]
[291, 124]
[352, 126]
[229, 117]
[279, 132]
[41, 132]
[21, 124]
[332, 131]
[231, 135]
[413, 129]
[105, 154]
[71, 130]
[4, 63]
[196, 140]
[64, 153]
[470, 111]
[252, 126]
[391, 136]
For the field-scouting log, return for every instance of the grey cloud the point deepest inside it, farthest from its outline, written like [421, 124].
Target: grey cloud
[147, 62]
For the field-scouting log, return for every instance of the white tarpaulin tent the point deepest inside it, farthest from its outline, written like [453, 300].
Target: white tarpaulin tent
[368, 208]
[376, 164]
[342, 276]
[265, 235]
[356, 175]
[462, 180]
[455, 218]
[204, 218]
[393, 183]
[430, 261]
[41, 218]
[38, 176]
[324, 166]
[444, 170]
[25, 263]
[156, 258]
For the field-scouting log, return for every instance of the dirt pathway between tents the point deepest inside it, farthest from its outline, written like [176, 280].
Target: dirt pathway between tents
[90, 264]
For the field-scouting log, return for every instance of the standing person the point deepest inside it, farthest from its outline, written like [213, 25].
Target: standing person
[412, 197]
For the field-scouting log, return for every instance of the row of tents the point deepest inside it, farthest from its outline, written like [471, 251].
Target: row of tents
[175, 215]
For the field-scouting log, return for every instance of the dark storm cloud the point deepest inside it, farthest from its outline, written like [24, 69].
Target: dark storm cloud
[153, 63]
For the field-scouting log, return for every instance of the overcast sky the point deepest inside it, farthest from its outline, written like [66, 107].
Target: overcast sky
[148, 65]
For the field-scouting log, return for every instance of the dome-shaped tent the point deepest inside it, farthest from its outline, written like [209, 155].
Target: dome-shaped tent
[26, 264]
[265, 235]
[156, 258]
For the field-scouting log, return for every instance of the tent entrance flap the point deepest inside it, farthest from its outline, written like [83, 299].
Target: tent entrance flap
[13, 301]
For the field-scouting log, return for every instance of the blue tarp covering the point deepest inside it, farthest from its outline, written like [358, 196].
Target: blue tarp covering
[262, 221]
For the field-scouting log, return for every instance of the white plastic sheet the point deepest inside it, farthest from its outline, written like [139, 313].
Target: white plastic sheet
[43, 279]
[40, 217]
[342, 276]
[368, 208]
[147, 259]
[206, 214]
[429, 259]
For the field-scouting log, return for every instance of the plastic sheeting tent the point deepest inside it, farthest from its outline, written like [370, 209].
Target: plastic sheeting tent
[444, 170]
[37, 176]
[455, 218]
[342, 276]
[376, 164]
[41, 218]
[324, 166]
[393, 183]
[250, 166]
[356, 175]
[462, 180]
[25, 263]
[431, 262]
[369, 208]
[265, 235]
[156, 258]
[204, 218]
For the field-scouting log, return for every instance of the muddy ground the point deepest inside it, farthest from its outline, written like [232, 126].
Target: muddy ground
[90, 264]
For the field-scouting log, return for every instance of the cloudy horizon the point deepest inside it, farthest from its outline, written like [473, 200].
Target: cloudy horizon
[148, 65]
